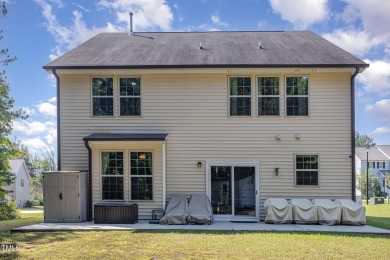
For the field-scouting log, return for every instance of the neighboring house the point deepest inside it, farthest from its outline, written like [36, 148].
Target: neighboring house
[378, 163]
[152, 114]
[20, 188]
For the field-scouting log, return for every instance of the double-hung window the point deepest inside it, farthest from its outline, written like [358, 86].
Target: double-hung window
[130, 96]
[102, 97]
[268, 96]
[22, 182]
[306, 169]
[141, 175]
[240, 96]
[112, 176]
[297, 96]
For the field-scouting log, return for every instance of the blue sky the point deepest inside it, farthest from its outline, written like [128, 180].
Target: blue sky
[37, 31]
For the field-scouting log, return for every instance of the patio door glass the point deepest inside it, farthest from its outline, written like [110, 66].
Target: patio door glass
[233, 190]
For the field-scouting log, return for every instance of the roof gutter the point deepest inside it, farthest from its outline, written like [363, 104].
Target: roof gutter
[222, 66]
[353, 132]
[58, 119]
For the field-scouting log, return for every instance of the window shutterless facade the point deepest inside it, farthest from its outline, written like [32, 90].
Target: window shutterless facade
[297, 96]
[130, 96]
[141, 175]
[102, 97]
[240, 94]
[268, 96]
[307, 170]
[112, 175]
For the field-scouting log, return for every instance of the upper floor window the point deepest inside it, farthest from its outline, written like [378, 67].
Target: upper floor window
[306, 169]
[268, 96]
[297, 96]
[102, 97]
[240, 91]
[130, 96]
[22, 182]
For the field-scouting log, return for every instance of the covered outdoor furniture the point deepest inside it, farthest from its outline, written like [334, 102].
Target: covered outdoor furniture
[278, 211]
[304, 211]
[177, 211]
[329, 212]
[201, 211]
[352, 213]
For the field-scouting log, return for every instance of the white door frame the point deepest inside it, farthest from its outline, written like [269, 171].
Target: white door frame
[235, 164]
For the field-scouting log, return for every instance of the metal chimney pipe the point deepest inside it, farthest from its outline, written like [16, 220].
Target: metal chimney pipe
[131, 24]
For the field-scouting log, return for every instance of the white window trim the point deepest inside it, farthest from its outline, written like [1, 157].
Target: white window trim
[113, 95]
[260, 96]
[148, 176]
[307, 96]
[235, 164]
[295, 170]
[120, 96]
[243, 96]
[101, 175]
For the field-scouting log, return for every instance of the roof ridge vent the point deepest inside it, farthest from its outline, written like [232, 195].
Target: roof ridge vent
[131, 24]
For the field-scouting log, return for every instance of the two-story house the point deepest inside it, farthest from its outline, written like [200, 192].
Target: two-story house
[240, 116]
[378, 163]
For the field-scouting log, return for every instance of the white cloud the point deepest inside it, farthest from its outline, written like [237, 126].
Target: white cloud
[374, 18]
[381, 131]
[53, 100]
[356, 42]
[33, 127]
[376, 78]
[70, 36]
[374, 15]
[147, 14]
[380, 109]
[35, 145]
[29, 111]
[47, 109]
[217, 21]
[301, 13]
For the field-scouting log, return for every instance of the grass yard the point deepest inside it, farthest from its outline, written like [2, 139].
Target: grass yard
[195, 244]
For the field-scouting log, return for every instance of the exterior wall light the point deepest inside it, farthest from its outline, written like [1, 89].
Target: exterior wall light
[297, 136]
[278, 137]
[277, 171]
[199, 164]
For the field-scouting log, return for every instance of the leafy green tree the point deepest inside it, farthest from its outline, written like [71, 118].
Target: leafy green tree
[363, 140]
[8, 114]
[374, 187]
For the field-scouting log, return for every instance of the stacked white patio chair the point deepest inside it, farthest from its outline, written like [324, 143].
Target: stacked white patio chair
[278, 211]
[329, 212]
[304, 211]
[352, 213]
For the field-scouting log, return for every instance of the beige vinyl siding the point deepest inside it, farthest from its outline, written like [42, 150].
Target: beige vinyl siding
[193, 110]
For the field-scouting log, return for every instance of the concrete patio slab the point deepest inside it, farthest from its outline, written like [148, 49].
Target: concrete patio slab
[218, 225]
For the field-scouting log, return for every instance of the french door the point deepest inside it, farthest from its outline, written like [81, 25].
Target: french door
[232, 189]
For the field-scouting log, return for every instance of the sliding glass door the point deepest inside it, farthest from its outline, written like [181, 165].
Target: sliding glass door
[233, 190]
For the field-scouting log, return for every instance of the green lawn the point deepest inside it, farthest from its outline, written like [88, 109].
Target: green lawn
[196, 244]
[378, 215]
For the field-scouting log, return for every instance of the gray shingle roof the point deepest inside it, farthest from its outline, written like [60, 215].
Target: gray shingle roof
[385, 149]
[373, 155]
[220, 49]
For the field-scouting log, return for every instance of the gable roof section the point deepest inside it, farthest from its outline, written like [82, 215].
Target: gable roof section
[385, 149]
[17, 164]
[374, 154]
[219, 49]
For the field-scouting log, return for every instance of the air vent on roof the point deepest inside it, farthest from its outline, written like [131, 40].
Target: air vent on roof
[200, 46]
[131, 24]
[260, 47]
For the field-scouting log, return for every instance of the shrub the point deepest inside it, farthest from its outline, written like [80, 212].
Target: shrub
[8, 210]
[28, 204]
